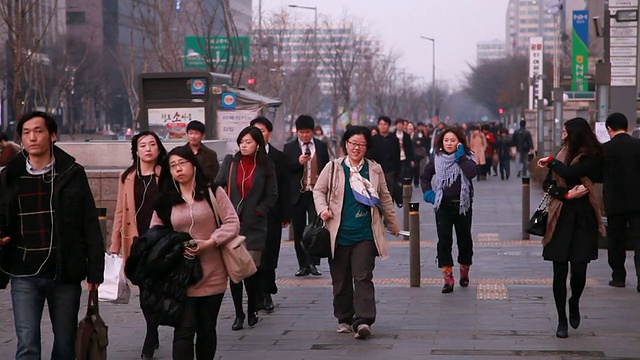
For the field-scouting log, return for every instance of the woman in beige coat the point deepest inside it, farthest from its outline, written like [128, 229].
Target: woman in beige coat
[137, 194]
[359, 200]
[478, 144]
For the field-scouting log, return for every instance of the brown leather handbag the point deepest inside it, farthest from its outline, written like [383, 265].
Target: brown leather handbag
[92, 337]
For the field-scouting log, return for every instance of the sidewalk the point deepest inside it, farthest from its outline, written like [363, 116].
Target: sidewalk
[506, 313]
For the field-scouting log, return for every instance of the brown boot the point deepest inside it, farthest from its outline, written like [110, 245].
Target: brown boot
[464, 275]
[447, 273]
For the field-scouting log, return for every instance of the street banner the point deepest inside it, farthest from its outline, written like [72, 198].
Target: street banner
[535, 69]
[580, 50]
[171, 123]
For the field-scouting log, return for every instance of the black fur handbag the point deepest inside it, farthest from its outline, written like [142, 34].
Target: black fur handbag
[538, 223]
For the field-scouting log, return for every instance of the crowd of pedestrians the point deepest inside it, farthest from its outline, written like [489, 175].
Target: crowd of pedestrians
[50, 238]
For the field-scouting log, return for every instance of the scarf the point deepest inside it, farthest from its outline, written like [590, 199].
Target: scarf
[363, 190]
[554, 206]
[447, 172]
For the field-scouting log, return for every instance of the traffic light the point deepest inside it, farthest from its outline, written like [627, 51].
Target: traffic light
[501, 111]
[251, 81]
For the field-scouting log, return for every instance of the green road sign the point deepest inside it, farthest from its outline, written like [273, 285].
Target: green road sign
[216, 50]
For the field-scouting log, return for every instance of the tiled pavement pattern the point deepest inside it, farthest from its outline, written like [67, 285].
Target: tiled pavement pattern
[507, 312]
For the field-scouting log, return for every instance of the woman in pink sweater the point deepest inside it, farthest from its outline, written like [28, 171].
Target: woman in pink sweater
[184, 205]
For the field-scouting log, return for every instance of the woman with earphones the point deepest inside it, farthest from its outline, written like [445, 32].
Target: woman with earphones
[250, 181]
[183, 205]
[137, 194]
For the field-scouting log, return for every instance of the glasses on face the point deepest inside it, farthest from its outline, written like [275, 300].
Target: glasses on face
[178, 164]
[356, 145]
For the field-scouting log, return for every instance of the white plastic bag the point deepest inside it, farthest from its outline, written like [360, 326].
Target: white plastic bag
[114, 288]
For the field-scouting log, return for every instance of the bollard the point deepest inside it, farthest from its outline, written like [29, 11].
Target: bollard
[526, 199]
[406, 199]
[102, 219]
[414, 245]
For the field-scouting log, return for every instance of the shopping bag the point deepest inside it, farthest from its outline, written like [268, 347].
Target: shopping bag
[237, 259]
[114, 288]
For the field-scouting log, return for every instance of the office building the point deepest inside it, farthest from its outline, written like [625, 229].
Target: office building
[490, 50]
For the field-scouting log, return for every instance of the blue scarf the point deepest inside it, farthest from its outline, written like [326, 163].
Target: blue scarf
[447, 172]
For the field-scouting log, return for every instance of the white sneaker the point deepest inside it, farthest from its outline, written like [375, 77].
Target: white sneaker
[344, 328]
[364, 331]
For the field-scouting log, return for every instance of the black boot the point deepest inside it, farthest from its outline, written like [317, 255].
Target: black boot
[563, 330]
[574, 313]
[238, 323]
[268, 303]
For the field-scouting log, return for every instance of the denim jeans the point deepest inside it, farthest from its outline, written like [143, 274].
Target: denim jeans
[28, 296]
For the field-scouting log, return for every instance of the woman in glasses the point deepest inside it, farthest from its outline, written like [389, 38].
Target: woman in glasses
[353, 209]
[184, 206]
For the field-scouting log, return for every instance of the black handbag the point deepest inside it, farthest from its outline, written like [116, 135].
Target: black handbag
[316, 239]
[538, 223]
[92, 336]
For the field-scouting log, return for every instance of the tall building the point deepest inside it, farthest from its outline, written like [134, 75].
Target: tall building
[298, 47]
[490, 50]
[241, 11]
[525, 19]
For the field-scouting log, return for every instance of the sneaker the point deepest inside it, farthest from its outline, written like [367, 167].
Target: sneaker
[364, 331]
[344, 328]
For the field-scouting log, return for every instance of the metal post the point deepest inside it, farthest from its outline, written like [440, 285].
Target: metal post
[414, 245]
[558, 95]
[540, 126]
[603, 88]
[406, 199]
[526, 199]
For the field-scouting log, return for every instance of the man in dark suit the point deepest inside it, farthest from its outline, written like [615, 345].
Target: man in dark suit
[306, 157]
[386, 152]
[278, 218]
[621, 196]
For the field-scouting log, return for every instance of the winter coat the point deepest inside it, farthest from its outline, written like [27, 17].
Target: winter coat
[76, 230]
[157, 265]
[254, 208]
[478, 144]
[386, 211]
[575, 237]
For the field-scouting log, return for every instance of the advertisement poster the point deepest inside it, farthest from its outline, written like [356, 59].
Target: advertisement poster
[230, 123]
[171, 123]
[535, 69]
[580, 50]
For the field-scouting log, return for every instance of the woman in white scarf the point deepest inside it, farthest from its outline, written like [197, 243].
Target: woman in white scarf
[453, 168]
[353, 206]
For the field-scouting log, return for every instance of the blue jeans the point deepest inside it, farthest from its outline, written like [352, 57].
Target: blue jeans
[28, 296]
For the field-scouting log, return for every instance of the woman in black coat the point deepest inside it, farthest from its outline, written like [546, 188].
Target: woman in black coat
[250, 181]
[574, 215]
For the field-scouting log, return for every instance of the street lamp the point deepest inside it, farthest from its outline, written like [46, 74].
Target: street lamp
[433, 76]
[315, 27]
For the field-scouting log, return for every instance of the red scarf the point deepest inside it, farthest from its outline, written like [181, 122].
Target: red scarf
[245, 171]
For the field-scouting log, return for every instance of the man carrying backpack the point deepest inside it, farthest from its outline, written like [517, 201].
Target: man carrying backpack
[523, 143]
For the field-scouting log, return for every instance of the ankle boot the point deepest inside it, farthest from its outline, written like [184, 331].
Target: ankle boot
[447, 273]
[464, 275]
[574, 313]
[562, 331]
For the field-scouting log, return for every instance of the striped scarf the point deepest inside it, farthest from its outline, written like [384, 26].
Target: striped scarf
[363, 190]
[447, 172]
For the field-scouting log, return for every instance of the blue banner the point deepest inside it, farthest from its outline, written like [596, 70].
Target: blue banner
[580, 50]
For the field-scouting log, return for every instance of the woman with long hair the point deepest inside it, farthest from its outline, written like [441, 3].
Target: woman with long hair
[354, 214]
[250, 182]
[137, 194]
[183, 205]
[453, 167]
[574, 219]
[478, 144]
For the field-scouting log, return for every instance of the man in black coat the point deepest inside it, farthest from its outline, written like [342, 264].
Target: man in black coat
[621, 196]
[50, 238]
[385, 150]
[306, 157]
[405, 146]
[278, 218]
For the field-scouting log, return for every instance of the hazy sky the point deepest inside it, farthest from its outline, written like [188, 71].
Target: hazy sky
[457, 25]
